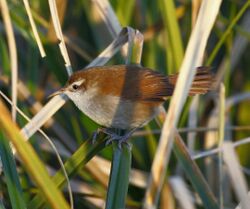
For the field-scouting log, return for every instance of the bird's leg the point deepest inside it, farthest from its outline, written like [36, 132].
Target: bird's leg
[114, 136]
[107, 131]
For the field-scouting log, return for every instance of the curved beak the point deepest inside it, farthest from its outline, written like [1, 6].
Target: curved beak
[60, 91]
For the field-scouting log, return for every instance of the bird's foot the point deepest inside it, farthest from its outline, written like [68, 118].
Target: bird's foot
[112, 137]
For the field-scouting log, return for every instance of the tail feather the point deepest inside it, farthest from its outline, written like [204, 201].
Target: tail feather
[202, 83]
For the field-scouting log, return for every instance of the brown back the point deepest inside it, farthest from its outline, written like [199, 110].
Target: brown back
[133, 82]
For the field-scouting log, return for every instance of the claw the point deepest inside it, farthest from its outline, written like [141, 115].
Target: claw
[108, 142]
[124, 141]
[120, 145]
[95, 134]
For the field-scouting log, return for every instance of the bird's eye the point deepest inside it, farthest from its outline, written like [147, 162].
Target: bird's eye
[75, 86]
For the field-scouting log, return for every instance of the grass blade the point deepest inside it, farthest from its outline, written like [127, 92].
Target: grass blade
[59, 34]
[173, 33]
[135, 46]
[194, 174]
[61, 6]
[34, 29]
[110, 51]
[11, 175]
[119, 177]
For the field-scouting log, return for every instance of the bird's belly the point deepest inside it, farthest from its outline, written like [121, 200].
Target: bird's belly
[110, 111]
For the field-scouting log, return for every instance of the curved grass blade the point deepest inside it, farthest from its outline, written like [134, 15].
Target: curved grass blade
[31, 162]
[227, 32]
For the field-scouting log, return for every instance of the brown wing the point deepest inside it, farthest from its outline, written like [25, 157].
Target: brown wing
[133, 82]
[148, 85]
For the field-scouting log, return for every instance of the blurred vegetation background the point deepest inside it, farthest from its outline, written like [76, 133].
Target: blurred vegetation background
[86, 35]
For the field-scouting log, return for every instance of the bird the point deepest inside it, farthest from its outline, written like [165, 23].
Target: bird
[125, 97]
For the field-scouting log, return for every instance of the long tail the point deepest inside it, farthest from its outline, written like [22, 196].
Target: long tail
[203, 81]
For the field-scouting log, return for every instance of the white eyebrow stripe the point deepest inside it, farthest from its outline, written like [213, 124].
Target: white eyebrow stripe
[78, 83]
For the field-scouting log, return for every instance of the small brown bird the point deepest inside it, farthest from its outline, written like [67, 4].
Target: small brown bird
[125, 96]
